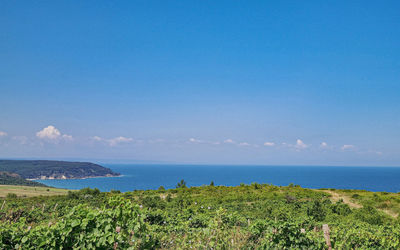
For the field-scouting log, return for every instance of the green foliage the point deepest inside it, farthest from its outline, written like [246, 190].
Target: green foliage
[113, 191]
[255, 185]
[118, 223]
[316, 211]
[370, 215]
[11, 196]
[153, 202]
[7, 178]
[256, 216]
[288, 235]
[341, 209]
[181, 184]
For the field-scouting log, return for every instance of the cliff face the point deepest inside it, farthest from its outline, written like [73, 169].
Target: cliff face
[55, 169]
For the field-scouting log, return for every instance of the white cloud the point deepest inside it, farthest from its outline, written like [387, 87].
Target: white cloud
[347, 147]
[2, 133]
[113, 141]
[193, 140]
[229, 141]
[269, 144]
[300, 144]
[117, 140]
[156, 141]
[97, 138]
[323, 145]
[67, 137]
[21, 139]
[244, 144]
[51, 133]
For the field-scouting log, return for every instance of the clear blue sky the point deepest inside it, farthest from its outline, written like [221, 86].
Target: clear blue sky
[227, 82]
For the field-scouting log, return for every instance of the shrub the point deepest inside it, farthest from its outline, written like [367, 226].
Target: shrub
[11, 196]
[370, 215]
[181, 184]
[316, 211]
[119, 223]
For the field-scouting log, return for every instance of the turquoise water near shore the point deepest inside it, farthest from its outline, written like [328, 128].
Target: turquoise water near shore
[143, 177]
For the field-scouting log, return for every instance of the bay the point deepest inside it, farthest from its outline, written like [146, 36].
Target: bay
[144, 177]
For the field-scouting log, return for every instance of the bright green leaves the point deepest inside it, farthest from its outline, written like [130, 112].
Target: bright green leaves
[119, 222]
[246, 217]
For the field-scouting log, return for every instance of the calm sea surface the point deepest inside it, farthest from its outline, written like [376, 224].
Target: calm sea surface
[142, 177]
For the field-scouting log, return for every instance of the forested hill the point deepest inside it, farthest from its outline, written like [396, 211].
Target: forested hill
[41, 169]
[14, 179]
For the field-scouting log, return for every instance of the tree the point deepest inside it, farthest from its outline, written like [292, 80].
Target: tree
[181, 184]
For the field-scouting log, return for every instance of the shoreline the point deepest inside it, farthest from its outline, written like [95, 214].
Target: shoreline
[82, 178]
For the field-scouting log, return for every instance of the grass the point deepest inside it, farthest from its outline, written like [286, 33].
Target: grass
[25, 191]
[384, 201]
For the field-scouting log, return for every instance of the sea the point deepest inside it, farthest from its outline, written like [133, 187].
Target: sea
[145, 177]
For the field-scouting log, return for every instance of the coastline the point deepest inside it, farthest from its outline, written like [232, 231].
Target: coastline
[144, 177]
[75, 178]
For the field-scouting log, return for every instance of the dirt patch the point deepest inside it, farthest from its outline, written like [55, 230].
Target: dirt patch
[347, 200]
[389, 212]
[164, 196]
[336, 197]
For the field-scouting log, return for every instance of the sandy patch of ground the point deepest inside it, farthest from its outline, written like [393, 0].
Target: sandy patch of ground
[347, 200]
[336, 197]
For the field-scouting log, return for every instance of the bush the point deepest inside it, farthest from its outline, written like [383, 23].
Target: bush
[289, 235]
[181, 184]
[341, 209]
[196, 218]
[11, 196]
[316, 211]
[153, 202]
[370, 215]
[119, 223]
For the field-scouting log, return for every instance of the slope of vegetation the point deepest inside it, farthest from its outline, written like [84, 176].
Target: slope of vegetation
[54, 169]
[27, 191]
[209, 217]
[14, 179]
[383, 201]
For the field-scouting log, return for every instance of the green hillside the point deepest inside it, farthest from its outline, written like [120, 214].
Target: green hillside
[26, 191]
[42, 169]
[7, 178]
[256, 216]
